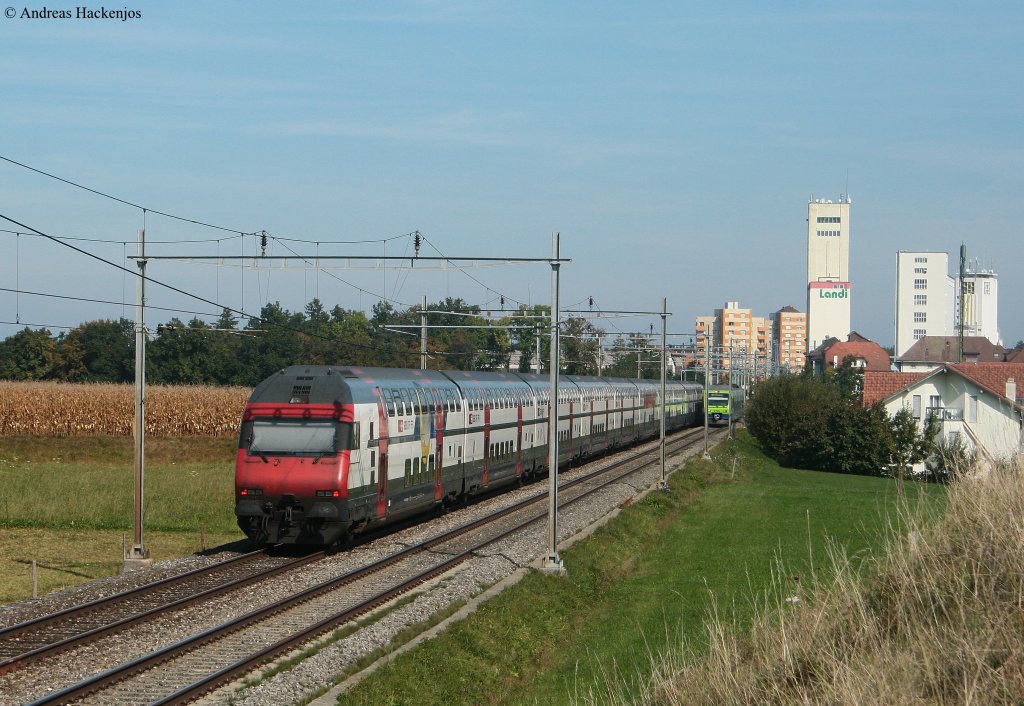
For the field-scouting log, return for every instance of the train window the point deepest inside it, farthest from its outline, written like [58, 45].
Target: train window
[430, 466]
[408, 472]
[298, 437]
[389, 402]
[356, 441]
[416, 470]
[373, 461]
[371, 432]
[373, 477]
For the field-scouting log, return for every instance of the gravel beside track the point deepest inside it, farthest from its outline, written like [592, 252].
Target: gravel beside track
[320, 671]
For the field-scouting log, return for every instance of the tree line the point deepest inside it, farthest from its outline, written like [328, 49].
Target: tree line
[227, 352]
[818, 422]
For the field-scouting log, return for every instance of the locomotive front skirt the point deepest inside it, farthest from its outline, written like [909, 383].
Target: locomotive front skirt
[327, 451]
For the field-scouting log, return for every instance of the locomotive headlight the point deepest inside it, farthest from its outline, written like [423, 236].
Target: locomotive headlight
[251, 491]
[328, 493]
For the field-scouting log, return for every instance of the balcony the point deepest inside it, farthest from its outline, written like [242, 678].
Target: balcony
[945, 414]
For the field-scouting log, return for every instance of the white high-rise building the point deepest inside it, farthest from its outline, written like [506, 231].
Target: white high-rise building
[981, 304]
[924, 297]
[828, 270]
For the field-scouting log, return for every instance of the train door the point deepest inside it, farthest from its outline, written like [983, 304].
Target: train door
[568, 428]
[382, 446]
[519, 436]
[424, 430]
[607, 418]
[487, 441]
[355, 454]
[438, 414]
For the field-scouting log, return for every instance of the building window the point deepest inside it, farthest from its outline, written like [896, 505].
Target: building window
[828, 219]
[988, 288]
[920, 270]
[916, 406]
[972, 409]
[918, 333]
[920, 317]
[920, 300]
[920, 284]
[920, 259]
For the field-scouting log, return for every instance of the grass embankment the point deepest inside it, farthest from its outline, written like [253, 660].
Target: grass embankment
[643, 583]
[938, 619]
[68, 503]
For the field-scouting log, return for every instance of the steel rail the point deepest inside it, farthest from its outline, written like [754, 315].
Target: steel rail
[66, 618]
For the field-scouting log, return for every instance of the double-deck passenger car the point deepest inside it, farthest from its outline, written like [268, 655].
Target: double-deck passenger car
[327, 451]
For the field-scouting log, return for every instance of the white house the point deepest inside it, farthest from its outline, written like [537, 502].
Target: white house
[981, 403]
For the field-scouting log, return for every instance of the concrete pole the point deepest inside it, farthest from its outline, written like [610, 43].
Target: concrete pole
[423, 334]
[138, 556]
[664, 367]
[552, 562]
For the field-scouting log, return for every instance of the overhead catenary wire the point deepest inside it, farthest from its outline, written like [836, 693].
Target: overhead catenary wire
[115, 241]
[438, 251]
[241, 312]
[122, 304]
[126, 202]
[343, 281]
[235, 233]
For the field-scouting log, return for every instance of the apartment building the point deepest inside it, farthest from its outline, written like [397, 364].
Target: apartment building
[789, 338]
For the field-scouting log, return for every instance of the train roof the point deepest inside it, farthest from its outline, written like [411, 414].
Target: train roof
[340, 384]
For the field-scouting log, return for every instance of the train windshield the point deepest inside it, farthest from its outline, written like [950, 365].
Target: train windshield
[718, 400]
[298, 437]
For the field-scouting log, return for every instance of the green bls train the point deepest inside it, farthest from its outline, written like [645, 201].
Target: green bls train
[723, 403]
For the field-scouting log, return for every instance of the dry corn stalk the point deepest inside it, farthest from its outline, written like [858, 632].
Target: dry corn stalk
[66, 409]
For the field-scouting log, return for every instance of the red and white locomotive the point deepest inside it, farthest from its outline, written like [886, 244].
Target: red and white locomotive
[327, 451]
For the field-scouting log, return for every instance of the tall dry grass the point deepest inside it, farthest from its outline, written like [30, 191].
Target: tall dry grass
[64, 409]
[938, 619]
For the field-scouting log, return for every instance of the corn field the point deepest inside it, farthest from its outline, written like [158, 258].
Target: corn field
[65, 409]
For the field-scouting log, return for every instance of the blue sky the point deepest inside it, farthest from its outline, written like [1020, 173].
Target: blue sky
[673, 145]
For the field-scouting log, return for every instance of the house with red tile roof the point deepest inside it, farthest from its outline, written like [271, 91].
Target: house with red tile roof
[879, 385]
[980, 404]
[866, 354]
[930, 352]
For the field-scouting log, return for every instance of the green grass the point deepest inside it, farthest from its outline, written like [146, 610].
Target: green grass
[643, 581]
[67, 503]
[89, 484]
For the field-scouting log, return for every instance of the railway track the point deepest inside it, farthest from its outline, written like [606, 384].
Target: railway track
[214, 656]
[49, 635]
